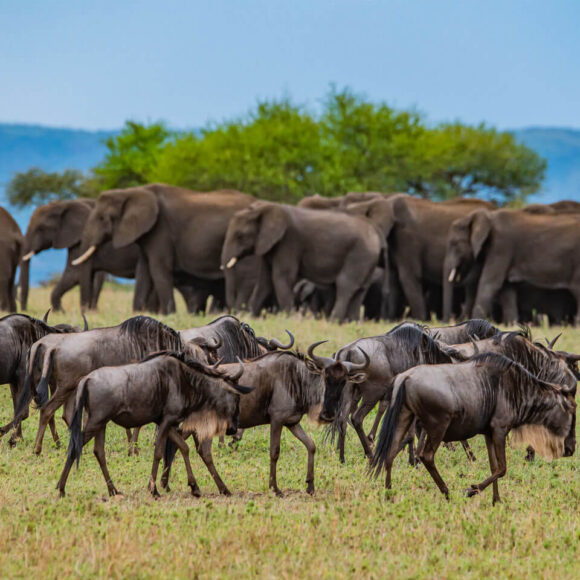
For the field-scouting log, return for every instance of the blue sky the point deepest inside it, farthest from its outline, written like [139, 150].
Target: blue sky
[86, 64]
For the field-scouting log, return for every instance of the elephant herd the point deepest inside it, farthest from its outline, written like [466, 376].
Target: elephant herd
[387, 255]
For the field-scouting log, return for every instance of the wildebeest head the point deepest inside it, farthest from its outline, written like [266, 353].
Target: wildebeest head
[335, 374]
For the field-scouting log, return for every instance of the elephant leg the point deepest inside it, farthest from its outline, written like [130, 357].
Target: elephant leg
[144, 296]
[492, 278]
[98, 281]
[284, 279]
[413, 289]
[161, 270]
[509, 304]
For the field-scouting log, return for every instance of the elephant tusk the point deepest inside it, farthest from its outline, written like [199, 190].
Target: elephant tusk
[452, 275]
[231, 262]
[28, 256]
[82, 259]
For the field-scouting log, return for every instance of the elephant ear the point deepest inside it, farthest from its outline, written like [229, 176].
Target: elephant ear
[273, 226]
[139, 215]
[480, 230]
[72, 222]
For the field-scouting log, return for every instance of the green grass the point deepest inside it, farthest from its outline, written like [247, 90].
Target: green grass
[351, 527]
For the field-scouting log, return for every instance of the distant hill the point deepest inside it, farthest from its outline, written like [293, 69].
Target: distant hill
[52, 149]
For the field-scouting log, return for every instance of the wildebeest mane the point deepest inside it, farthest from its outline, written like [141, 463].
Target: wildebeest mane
[479, 328]
[148, 335]
[236, 339]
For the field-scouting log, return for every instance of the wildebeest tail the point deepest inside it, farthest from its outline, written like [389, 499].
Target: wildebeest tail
[169, 453]
[41, 395]
[388, 430]
[75, 446]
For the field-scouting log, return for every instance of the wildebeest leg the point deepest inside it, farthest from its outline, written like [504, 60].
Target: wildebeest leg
[182, 445]
[498, 442]
[383, 404]
[468, 451]
[404, 423]
[46, 414]
[99, 451]
[530, 453]
[427, 456]
[132, 439]
[204, 450]
[275, 434]
[15, 393]
[341, 439]
[301, 435]
[410, 442]
[53, 432]
[357, 419]
[160, 442]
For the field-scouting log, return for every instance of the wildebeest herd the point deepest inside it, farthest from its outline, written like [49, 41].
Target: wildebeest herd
[379, 254]
[433, 385]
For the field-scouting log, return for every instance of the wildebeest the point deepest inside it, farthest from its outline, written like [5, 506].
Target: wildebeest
[166, 388]
[235, 338]
[488, 395]
[18, 332]
[474, 329]
[403, 347]
[287, 386]
[61, 361]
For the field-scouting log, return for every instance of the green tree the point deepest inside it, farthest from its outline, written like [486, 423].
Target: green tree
[132, 155]
[35, 186]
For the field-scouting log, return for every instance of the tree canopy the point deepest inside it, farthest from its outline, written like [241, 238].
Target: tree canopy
[282, 151]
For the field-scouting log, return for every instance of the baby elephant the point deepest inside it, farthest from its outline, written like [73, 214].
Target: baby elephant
[165, 388]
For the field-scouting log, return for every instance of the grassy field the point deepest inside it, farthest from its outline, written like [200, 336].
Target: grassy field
[351, 527]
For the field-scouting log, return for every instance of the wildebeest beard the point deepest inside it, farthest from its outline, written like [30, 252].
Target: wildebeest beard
[527, 398]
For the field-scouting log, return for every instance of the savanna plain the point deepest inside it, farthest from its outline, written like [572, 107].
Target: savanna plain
[352, 527]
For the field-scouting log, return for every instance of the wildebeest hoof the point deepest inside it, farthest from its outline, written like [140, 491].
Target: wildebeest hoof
[61, 493]
[471, 491]
[278, 492]
[310, 489]
[195, 491]
[13, 441]
[225, 492]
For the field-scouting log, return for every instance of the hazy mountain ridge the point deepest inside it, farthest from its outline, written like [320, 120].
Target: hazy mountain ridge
[55, 149]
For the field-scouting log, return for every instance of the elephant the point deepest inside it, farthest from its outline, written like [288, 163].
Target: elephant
[325, 247]
[509, 248]
[416, 233]
[321, 202]
[59, 225]
[10, 249]
[177, 230]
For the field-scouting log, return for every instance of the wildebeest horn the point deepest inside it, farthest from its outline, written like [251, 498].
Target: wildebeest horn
[475, 347]
[277, 344]
[352, 367]
[45, 317]
[321, 362]
[81, 259]
[86, 326]
[239, 372]
[552, 342]
[216, 364]
[214, 343]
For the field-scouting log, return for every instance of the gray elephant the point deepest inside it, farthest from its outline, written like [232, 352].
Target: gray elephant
[416, 233]
[59, 225]
[177, 230]
[324, 247]
[506, 247]
[10, 248]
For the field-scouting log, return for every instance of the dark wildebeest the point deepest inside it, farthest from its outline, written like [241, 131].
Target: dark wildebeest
[166, 388]
[62, 360]
[551, 366]
[287, 386]
[474, 329]
[403, 347]
[18, 332]
[235, 338]
[488, 395]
